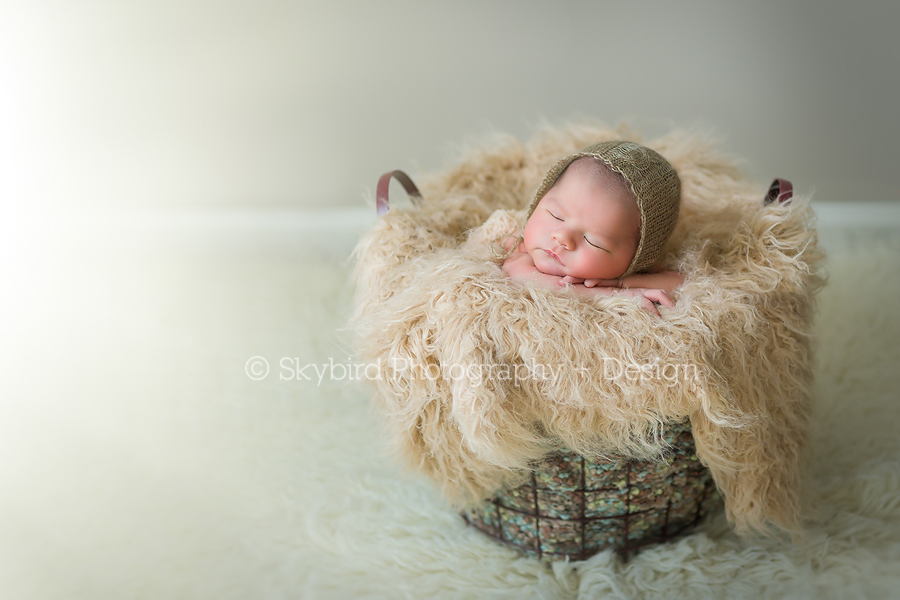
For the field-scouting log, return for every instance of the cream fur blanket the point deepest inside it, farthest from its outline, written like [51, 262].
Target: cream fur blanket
[484, 375]
[139, 460]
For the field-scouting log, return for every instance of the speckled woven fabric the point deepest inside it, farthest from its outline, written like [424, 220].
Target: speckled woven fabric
[653, 181]
[573, 506]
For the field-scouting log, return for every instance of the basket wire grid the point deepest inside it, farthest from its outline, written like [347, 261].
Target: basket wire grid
[575, 506]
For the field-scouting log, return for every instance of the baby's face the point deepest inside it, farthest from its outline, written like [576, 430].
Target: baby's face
[586, 226]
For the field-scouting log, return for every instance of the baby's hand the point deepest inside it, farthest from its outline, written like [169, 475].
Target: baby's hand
[649, 298]
[569, 280]
[613, 283]
[518, 266]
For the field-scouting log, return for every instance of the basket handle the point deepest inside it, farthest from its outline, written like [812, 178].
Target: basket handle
[384, 183]
[781, 191]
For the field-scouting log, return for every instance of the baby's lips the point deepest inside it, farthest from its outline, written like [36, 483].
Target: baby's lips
[553, 255]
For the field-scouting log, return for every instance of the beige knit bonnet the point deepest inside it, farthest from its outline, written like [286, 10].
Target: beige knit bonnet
[652, 180]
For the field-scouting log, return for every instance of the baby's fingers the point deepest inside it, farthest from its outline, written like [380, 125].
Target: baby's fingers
[659, 297]
[569, 280]
[649, 306]
[602, 283]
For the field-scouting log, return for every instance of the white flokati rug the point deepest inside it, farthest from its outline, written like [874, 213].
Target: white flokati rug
[138, 459]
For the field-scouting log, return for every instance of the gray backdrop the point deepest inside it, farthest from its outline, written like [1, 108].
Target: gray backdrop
[270, 103]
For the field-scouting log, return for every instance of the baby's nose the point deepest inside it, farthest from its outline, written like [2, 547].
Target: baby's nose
[564, 238]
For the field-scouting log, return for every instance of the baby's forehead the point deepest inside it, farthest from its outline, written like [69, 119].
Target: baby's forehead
[594, 170]
[613, 202]
[589, 166]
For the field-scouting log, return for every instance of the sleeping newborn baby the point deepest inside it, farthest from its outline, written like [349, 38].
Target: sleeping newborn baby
[598, 223]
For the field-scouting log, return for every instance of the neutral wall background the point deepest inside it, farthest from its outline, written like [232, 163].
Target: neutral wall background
[270, 103]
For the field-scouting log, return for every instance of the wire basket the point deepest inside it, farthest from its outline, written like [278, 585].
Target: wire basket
[574, 507]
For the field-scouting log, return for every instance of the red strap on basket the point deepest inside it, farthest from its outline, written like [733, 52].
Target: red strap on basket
[384, 184]
[781, 191]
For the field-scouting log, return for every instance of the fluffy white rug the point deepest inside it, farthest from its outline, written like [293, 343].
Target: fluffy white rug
[139, 460]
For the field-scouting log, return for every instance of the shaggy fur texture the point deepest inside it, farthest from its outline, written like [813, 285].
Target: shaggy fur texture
[140, 461]
[484, 375]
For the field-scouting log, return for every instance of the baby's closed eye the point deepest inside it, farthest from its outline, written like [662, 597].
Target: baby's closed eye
[598, 246]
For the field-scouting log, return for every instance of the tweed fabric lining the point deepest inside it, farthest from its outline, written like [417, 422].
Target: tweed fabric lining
[654, 183]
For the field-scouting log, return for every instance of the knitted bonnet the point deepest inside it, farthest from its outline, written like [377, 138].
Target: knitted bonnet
[653, 182]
